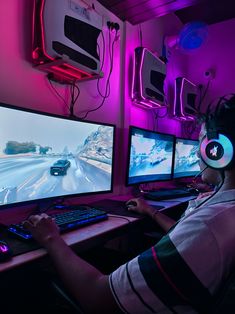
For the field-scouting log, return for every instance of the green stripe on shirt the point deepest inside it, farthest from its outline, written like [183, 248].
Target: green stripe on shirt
[171, 279]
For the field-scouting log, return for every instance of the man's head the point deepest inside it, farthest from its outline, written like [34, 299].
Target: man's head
[217, 124]
[217, 137]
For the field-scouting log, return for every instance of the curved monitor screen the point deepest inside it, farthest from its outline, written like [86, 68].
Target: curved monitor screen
[150, 156]
[45, 156]
[186, 161]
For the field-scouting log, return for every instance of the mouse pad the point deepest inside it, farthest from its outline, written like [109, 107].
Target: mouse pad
[117, 208]
[16, 245]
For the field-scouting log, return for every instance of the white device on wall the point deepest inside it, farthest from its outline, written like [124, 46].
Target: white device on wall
[148, 79]
[185, 99]
[65, 35]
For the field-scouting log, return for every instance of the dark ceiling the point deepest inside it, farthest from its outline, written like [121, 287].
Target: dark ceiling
[138, 11]
[208, 11]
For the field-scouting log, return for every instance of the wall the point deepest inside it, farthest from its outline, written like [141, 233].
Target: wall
[153, 32]
[217, 55]
[25, 86]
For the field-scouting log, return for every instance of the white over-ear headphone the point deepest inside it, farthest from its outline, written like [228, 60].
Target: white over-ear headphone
[216, 147]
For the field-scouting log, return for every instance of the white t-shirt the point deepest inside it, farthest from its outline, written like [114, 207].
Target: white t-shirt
[183, 271]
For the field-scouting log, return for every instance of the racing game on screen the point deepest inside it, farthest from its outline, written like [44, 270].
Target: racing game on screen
[150, 156]
[186, 162]
[44, 156]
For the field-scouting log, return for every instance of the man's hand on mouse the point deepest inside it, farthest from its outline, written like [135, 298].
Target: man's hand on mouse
[139, 206]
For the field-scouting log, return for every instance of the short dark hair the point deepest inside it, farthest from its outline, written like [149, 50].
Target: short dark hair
[222, 115]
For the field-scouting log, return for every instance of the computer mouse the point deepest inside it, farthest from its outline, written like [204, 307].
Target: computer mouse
[131, 203]
[5, 251]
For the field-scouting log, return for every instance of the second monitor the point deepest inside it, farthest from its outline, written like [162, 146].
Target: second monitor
[186, 161]
[150, 156]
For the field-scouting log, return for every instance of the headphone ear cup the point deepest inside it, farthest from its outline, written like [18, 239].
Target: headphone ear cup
[217, 153]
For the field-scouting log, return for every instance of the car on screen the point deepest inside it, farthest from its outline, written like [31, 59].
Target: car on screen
[60, 167]
[156, 158]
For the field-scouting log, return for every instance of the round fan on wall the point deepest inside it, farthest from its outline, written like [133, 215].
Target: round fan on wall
[191, 37]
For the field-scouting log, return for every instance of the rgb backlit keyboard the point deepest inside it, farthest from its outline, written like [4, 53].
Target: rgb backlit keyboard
[66, 221]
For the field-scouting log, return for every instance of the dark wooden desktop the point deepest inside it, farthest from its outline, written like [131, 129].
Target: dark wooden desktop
[86, 237]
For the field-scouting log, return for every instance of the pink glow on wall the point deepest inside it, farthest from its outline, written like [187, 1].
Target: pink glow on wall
[24, 86]
[217, 54]
[153, 32]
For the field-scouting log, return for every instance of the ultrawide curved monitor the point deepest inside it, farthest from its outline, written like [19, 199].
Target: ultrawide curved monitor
[186, 161]
[150, 156]
[45, 156]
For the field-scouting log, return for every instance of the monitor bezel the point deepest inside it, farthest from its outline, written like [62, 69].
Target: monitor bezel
[173, 173]
[129, 155]
[65, 197]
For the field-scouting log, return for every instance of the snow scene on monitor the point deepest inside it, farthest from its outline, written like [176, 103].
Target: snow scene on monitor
[43, 156]
[186, 160]
[149, 156]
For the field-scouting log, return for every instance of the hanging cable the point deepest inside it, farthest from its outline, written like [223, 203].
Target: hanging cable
[102, 63]
[154, 121]
[107, 88]
[163, 115]
[189, 128]
[140, 34]
[203, 97]
[156, 116]
[74, 97]
[56, 92]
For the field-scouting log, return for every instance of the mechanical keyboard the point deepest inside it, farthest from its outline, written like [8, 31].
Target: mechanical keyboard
[66, 221]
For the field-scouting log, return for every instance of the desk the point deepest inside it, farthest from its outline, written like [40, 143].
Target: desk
[85, 237]
[171, 203]
[89, 236]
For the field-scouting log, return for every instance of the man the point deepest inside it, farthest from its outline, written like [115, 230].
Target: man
[180, 274]
[208, 176]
